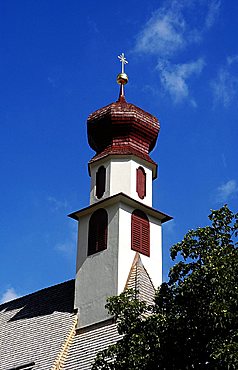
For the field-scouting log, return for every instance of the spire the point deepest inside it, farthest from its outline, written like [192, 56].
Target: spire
[121, 128]
[122, 77]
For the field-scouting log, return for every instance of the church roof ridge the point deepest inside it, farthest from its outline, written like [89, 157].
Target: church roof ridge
[37, 292]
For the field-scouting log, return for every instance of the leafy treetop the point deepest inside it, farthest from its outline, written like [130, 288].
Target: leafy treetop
[193, 323]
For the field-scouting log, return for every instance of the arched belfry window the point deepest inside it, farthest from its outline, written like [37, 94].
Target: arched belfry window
[100, 181]
[140, 232]
[141, 182]
[97, 233]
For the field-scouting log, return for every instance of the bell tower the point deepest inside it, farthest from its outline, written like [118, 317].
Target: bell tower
[119, 233]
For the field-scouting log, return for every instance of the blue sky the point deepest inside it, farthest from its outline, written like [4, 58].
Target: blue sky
[58, 64]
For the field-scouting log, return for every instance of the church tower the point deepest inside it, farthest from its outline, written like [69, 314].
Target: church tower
[119, 233]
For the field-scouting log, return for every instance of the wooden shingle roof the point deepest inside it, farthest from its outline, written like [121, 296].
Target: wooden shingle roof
[140, 281]
[38, 331]
[87, 344]
[35, 328]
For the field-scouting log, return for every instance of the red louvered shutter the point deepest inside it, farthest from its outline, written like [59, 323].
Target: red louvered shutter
[141, 182]
[97, 233]
[100, 182]
[140, 232]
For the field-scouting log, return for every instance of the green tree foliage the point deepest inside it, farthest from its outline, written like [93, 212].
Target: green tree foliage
[194, 321]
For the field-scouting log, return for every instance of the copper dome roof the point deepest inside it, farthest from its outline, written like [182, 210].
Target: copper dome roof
[122, 128]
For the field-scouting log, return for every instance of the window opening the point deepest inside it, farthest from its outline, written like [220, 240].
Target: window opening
[100, 181]
[97, 233]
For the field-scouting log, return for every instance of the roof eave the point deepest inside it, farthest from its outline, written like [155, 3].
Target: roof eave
[123, 198]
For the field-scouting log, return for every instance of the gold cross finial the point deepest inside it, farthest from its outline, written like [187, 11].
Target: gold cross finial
[122, 78]
[123, 61]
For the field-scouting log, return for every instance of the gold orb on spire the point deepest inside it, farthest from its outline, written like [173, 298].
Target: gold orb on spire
[122, 77]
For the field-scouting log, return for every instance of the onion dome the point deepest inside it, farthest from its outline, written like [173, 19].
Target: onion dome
[122, 128]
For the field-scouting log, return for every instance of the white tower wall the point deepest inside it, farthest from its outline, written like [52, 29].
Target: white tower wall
[96, 275]
[121, 178]
[105, 273]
